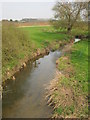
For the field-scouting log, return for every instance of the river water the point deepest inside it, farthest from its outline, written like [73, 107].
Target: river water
[25, 97]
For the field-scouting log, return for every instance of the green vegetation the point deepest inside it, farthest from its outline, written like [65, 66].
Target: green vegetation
[72, 87]
[15, 46]
[80, 28]
[44, 36]
[67, 14]
[69, 93]
[79, 59]
[76, 30]
[19, 44]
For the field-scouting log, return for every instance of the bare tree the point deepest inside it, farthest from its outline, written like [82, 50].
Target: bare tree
[68, 13]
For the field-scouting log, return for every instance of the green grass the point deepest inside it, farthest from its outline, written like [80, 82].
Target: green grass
[79, 59]
[66, 110]
[43, 36]
[59, 110]
[76, 82]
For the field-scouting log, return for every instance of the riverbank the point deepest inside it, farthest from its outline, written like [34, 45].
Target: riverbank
[10, 74]
[26, 44]
[26, 93]
[68, 92]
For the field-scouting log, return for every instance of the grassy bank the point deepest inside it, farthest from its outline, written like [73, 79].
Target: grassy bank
[20, 44]
[15, 46]
[70, 93]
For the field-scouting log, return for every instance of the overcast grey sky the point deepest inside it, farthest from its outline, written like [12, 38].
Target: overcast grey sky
[19, 10]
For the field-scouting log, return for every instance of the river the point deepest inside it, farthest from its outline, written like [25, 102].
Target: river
[25, 96]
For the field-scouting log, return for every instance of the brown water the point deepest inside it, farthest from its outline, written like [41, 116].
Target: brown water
[25, 97]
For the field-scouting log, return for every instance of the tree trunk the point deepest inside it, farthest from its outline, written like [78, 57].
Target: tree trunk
[69, 29]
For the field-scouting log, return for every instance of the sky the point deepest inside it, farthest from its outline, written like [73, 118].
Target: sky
[18, 9]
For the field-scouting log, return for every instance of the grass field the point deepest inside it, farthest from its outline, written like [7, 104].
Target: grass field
[44, 35]
[73, 84]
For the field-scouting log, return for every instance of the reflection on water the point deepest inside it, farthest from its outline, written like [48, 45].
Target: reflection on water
[24, 97]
